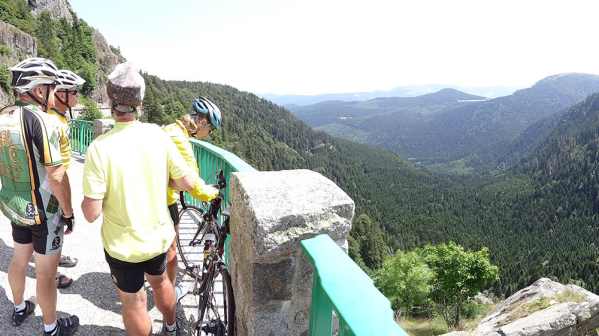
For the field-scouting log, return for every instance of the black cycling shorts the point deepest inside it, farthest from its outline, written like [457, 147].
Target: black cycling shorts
[173, 209]
[129, 277]
[46, 239]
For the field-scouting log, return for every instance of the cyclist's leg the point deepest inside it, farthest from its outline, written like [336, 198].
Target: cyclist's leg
[47, 244]
[171, 266]
[129, 279]
[164, 292]
[20, 260]
[135, 313]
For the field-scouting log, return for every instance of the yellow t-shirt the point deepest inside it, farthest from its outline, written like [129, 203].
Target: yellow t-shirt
[129, 169]
[65, 144]
[180, 138]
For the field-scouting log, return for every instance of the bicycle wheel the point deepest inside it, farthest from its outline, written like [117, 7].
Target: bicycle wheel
[229, 302]
[191, 229]
[216, 308]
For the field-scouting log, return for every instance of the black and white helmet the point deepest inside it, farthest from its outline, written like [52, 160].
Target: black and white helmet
[33, 72]
[68, 80]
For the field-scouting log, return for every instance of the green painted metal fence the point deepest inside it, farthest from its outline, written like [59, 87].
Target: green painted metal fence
[81, 133]
[342, 288]
[211, 160]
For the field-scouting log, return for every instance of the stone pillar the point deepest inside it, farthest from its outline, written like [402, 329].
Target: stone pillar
[271, 213]
[102, 126]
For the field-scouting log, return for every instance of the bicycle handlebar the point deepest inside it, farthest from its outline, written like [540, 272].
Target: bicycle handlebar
[215, 203]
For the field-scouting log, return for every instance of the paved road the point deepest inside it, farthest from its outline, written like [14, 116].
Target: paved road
[92, 296]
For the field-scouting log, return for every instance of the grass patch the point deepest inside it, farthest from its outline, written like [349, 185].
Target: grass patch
[424, 327]
[542, 303]
[569, 296]
[526, 309]
[4, 50]
[472, 323]
[437, 326]
[4, 78]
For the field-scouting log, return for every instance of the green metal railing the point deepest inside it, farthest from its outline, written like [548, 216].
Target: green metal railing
[341, 287]
[211, 160]
[81, 134]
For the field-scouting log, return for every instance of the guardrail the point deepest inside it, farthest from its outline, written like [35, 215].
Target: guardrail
[211, 159]
[81, 134]
[341, 287]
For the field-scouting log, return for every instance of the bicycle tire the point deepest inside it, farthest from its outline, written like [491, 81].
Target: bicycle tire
[229, 302]
[191, 224]
[208, 304]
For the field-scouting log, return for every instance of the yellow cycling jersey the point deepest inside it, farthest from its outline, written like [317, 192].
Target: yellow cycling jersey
[129, 169]
[180, 138]
[65, 144]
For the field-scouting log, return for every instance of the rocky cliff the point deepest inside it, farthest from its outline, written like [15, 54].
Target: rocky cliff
[20, 45]
[57, 8]
[107, 60]
[16, 45]
[546, 308]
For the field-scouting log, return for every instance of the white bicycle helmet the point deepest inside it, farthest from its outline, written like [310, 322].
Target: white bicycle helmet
[33, 72]
[125, 88]
[68, 80]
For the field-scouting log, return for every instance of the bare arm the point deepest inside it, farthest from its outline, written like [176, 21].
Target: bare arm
[185, 183]
[60, 187]
[92, 208]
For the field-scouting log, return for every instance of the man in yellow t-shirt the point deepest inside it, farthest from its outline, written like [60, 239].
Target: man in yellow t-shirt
[125, 177]
[204, 117]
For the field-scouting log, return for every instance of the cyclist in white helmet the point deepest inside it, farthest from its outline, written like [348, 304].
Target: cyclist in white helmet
[67, 90]
[33, 195]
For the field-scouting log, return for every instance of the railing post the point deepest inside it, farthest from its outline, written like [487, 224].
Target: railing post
[321, 311]
[271, 212]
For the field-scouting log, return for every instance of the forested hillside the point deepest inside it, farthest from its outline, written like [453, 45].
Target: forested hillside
[479, 133]
[414, 207]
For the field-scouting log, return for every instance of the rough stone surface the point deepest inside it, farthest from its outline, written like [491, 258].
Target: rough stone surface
[544, 308]
[20, 46]
[102, 126]
[107, 60]
[272, 212]
[58, 9]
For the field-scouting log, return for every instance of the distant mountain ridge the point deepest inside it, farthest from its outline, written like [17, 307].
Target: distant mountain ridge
[401, 91]
[478, 132]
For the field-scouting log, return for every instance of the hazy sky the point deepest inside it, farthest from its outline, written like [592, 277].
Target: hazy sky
[323, 46]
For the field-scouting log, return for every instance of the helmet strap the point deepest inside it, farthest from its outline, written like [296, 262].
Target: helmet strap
[47, 97]
[64, 103]
[34, 98]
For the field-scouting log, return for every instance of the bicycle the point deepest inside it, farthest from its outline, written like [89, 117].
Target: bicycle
[207, 266]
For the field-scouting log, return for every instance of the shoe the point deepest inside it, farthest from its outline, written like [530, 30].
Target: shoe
[66, 261]
[19, 317]
[66, 326]
[63, 281]
[175, 332]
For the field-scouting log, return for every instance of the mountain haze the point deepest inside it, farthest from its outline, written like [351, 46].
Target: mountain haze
[402, 91]
[479, 132]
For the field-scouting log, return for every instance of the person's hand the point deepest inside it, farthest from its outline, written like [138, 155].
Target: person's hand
[69, 222]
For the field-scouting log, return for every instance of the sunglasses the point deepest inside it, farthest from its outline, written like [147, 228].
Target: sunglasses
[67, 92]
